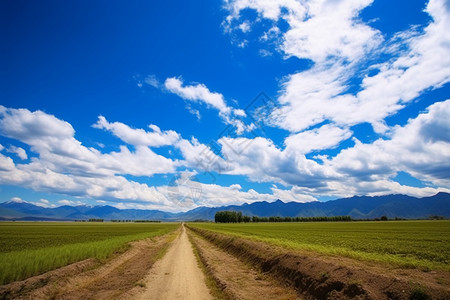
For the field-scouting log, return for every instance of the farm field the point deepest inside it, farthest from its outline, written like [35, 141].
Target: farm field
[31, 248]
[410, 244]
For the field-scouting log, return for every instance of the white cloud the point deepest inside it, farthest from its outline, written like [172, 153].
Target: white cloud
[343, 49]
[245, 27]
[318, 30]
[421, 148]
[197, 93]
[6, 163]
[138, 137]
[268, 9]
[202, 157]
[153, 81]
[324, 137]
[188, 193]
[65, 166]
[363, 169]
[262, 161]
[20, 152]
[200, 93]
[265, 52]
[194, 112]
[70, 202]
[335, 39]
[331, 30]
[43, 203]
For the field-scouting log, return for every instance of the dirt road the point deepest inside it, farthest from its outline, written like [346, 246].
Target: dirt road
[176, 275]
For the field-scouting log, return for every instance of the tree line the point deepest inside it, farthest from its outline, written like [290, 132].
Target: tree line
[227, 216]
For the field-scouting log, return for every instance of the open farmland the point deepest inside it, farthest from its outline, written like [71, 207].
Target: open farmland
[411, 244]
[27, 248]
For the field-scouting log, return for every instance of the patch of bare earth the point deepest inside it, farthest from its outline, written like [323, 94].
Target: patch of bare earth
[90, 279]
[236, 279]
[323, 277]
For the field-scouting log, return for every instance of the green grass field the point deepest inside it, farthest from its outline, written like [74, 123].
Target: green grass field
[31, 248]
[411, 244]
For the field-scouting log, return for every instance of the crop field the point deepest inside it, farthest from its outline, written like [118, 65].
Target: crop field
[29, 248]
[409, 244]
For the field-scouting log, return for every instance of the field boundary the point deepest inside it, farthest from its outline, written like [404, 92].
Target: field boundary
[317, 278]
[217, 287]
[84, 279]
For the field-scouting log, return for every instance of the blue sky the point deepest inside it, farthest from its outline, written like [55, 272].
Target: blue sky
[173, 105]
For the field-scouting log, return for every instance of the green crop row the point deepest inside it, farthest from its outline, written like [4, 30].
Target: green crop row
[18, 236]
[410, 244]
[59, 248]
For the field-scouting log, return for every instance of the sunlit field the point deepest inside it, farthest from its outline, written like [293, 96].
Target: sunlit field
[31, 248]
[410, 244]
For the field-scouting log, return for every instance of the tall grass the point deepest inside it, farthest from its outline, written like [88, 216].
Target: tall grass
[18, 265]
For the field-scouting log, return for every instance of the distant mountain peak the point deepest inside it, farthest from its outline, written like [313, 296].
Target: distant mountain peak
[359, 207]
[16, 200]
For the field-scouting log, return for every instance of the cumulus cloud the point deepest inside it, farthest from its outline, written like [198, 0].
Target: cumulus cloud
[197, 93]
[262, 161]
[43, 203]
[317, 107]
[65, 166]
[138, 137]
[200, 93]
[318, 30]
[20, 152]
[324, 137]
[341, 47]
[189, 193]
[421, 148]
[70, 202]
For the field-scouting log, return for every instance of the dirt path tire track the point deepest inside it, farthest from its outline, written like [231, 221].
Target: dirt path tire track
[176, 276]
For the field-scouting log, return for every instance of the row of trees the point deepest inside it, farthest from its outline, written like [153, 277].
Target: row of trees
[137, 221]
[227, 216]
[302, 219]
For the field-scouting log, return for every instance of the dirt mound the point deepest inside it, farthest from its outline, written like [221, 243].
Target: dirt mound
[320, 277]
[237, 280]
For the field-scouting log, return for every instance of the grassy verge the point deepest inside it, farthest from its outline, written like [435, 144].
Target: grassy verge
[18, 265]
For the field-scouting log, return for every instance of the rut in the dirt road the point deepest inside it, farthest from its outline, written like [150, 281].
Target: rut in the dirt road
[177, 275]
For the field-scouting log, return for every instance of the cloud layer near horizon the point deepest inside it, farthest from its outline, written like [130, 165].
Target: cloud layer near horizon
[60, 164]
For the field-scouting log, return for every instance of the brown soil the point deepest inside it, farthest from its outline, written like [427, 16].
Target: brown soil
[176, 276]
[323, 277]
[89, 279]
[237, 279]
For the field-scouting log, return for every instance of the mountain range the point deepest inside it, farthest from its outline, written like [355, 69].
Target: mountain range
[358, 207]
